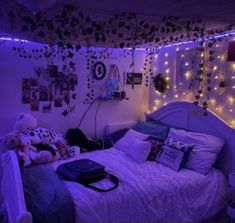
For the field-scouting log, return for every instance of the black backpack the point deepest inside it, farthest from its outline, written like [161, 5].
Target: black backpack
[85, 172]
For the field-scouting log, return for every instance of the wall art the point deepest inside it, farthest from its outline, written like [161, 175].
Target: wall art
[50, 89]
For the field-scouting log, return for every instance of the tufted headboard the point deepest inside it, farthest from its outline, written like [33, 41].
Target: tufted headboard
[189, 116]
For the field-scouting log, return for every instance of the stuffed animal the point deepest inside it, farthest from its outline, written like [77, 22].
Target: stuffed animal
[25, 123]
[11, 140]
[45, 140]
[73, 151]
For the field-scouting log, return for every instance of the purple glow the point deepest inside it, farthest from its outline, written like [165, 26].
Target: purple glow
[216, 36]
[14, 39]
[166, 46]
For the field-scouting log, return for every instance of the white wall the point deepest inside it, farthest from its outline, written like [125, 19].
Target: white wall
[14, 68]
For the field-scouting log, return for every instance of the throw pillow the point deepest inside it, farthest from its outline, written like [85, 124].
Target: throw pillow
[156, 145]
[124, 143]
[174, 153]
[139, 150]
[205, 149]
[154, 129]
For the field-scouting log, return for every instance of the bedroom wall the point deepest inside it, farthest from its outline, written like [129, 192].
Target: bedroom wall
[175, 63]
[14, 68]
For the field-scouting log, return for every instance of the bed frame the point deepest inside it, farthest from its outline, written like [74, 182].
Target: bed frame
[178, 114]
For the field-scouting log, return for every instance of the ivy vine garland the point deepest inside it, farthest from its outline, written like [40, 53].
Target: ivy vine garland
[160, 83]
[66, 30]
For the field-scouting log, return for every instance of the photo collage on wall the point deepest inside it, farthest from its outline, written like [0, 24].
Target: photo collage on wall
[48, 89]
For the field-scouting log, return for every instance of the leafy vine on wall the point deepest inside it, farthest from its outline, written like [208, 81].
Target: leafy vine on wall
[68, 29]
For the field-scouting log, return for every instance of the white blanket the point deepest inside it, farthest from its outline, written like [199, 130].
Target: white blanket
[148, 192]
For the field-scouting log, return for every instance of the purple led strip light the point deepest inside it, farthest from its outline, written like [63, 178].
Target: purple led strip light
[166, 46]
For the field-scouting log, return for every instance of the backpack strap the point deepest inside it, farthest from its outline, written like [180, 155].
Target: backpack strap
[107, 176]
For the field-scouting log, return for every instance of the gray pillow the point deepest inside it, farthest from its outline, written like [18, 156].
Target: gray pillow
[153, 129]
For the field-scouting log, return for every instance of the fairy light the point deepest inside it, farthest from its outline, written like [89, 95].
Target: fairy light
[233, 66]
[215, 88]
[187, 75]
[202, 55]
[215, 68]
[180, 83]
[182, 56]
[167, 70]
[222, 58]
[233, 77]
[219, 109]
[232, 123]
[184, 93]
[165, 103]
[230, 100]
[177, 49]
[217, 45]
[187, 48]
[176, 95]
[167, 78]
[216, 77]
[166, 54]
[231, 110]
[166, 62]
[212, 101]
[156, 56]
[164, 96]
[186, 64]
[154, 108]
[218, 57]
[233, 87]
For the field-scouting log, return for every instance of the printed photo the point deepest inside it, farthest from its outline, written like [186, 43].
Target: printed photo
[58, 101]
[44, 94]
[34, 104]
[46, 108]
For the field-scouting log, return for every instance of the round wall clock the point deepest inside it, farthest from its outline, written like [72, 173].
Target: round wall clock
[99, 70]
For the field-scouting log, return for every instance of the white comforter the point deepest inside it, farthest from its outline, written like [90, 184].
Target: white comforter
[148, 192]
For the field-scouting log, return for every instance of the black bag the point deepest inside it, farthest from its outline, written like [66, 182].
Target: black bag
[85, 172]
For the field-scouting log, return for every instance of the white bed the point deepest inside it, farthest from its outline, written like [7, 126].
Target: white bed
[148, 192]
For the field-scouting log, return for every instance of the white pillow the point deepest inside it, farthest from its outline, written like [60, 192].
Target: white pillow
[205, 149]
[124, 143]
[139, 150]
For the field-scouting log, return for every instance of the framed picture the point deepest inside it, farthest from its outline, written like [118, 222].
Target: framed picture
[134, 78]
[99, 71]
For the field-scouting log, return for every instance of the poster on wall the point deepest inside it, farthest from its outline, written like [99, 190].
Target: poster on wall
[186, 67]
[50, 88]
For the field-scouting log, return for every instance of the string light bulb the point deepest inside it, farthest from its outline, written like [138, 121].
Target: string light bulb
[166, 54]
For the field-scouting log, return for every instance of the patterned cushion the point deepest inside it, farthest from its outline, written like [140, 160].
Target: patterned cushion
[156, 145]
[174, 153]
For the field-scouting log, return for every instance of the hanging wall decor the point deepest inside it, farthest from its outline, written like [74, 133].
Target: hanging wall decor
[50, 89]
[160, 83]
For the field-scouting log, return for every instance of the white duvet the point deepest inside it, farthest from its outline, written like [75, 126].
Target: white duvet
[148, 192]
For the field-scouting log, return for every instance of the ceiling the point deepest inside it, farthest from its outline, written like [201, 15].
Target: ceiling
[212, 11]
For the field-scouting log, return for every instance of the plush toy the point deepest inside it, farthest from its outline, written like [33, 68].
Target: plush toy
[25, 123]
[22, 145]
[45, 140]
[11, 140]
[73, 151]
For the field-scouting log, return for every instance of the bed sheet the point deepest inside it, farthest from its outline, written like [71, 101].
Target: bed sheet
[148, 192]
